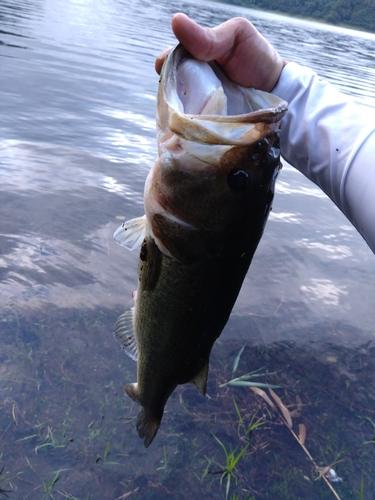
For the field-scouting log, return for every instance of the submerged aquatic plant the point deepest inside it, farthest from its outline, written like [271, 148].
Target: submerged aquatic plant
[50, 440]
[165, 460]
[286, 417]
[361, 489]
[244, 380]
[276, 406]
[232, 457]
[47, 487]
[3, 482]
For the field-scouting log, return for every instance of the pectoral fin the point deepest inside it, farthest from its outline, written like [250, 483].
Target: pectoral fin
[200, 381]
[131, 233]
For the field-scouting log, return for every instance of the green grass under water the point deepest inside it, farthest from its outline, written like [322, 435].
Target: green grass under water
[67, 431]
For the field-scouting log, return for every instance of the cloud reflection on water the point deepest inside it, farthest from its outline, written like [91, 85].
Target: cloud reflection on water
[324, 290]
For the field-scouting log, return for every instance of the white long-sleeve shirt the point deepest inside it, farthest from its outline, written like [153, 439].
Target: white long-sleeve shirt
[331, 140]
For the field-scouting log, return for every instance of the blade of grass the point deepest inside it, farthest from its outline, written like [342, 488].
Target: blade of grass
[283, 409]
[244, 383]
[237, 359]
[263, 395]
[302, 433]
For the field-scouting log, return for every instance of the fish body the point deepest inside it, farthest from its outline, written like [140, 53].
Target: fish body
[207, 200]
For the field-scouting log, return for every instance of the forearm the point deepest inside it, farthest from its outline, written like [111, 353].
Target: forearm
[331, 140]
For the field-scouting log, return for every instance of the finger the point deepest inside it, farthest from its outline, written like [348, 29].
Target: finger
[192, 36]
[208, 44]
[160, 60]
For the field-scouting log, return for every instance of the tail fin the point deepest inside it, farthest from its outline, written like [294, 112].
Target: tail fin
[147, 424]
[147, 427]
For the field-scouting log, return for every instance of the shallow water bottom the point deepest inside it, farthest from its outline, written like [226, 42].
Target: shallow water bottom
[67, 430]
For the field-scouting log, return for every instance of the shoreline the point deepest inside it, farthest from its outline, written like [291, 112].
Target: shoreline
[304, 18]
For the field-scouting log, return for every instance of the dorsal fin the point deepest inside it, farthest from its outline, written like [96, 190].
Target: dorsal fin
[124, 334]
[131, 233]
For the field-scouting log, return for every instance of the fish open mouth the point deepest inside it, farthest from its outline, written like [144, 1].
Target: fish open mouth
[204, 89]
[206, 107]
[199, 88]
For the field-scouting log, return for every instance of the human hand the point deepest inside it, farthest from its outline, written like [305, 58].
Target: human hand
[236, 45]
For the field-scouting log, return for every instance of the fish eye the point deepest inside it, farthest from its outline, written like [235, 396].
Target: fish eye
[237, 180]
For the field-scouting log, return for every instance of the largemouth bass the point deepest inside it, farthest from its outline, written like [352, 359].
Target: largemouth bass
[207, 199]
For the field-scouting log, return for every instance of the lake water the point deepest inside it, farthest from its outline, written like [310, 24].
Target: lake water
[77, 138]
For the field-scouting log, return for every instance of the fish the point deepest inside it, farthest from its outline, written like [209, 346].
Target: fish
[206, 199]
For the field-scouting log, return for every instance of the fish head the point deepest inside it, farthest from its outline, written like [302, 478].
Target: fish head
[219, 154]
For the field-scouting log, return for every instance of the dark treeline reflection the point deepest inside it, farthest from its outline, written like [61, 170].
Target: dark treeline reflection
[11, 11]
[352, 12]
